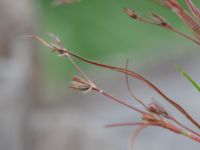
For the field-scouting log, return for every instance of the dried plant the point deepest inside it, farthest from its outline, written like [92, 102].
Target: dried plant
[153, 114]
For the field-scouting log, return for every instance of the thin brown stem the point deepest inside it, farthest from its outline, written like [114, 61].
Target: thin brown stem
[130, 91]
[169, 27]
[119, 101]
[127, 124]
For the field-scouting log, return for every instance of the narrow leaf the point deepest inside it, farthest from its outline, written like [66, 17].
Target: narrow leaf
[188, 77]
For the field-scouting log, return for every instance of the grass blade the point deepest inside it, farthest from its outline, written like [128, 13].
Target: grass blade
[188, 77]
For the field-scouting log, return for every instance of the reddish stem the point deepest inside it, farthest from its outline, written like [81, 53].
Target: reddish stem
[119, 101]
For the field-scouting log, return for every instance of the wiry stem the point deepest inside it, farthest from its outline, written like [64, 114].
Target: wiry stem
[127, 124]
[136, 133]
[130, 91]
[119, 101]
[193, 8]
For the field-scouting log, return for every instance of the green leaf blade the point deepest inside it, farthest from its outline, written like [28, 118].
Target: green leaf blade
[188, 77]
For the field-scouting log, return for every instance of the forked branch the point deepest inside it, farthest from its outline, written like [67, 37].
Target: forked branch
[150, 116]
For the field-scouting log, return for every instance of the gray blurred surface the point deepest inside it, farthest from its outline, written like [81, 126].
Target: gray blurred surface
[17, 72]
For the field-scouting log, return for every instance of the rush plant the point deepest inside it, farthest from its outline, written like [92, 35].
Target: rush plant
[152, 114]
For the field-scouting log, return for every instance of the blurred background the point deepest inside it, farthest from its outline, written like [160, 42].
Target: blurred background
[39, 111]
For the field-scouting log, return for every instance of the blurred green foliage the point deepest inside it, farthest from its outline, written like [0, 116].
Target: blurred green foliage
[99, 30]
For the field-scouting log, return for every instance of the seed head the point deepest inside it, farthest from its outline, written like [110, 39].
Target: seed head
[131, 13]
[82, 85]
[157, 109]
[160, 20]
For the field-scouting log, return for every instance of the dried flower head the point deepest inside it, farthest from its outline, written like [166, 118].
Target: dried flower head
[82, 85]
[156, 108]
[160, 20]
[131, 13]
